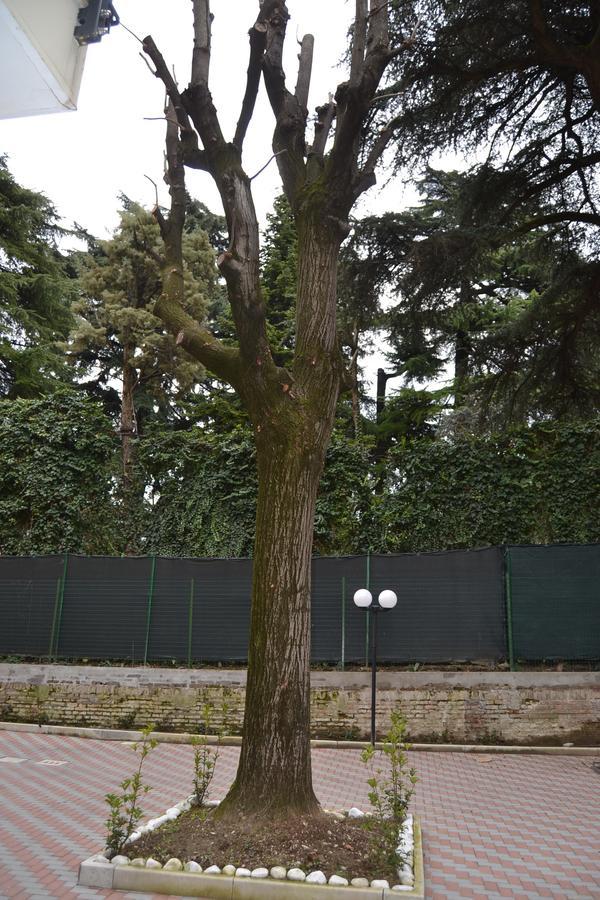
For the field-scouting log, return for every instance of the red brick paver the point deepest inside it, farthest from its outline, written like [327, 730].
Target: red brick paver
[494, 826]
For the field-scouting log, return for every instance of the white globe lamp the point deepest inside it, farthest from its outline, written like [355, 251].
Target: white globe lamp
[363, 598]
[387, 599]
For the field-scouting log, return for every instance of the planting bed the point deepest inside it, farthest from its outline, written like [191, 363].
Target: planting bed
[190, 852]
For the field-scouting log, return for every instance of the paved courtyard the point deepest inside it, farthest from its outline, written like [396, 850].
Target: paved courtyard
[494, 826]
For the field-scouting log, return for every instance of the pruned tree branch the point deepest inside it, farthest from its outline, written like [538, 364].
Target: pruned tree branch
[162, 72]
[359, 40]
[355, 97]
[240, 264]
[290, 113]
[378, 35]
[222, 361]
[258, 42]
[304, 70]
[366, 176]
[202, 40]
[325, 117]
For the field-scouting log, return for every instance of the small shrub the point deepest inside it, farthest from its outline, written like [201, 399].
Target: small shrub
[390, 794]
[205, 759]
[125, 811]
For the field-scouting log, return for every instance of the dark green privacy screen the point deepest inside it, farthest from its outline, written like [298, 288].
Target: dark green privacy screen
[555, 601]
[30, 593]
[529, 603]
[450, 606]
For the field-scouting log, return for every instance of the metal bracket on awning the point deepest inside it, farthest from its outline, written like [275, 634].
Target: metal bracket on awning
[94, 21]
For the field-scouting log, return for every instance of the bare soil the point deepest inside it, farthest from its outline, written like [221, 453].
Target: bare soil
[335, 846]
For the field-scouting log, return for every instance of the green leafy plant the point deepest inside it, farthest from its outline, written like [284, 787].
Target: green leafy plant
[390, 793]
[205, 759]
[125, 811]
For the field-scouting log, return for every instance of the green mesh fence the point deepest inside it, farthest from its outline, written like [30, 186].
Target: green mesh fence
[554, 601]
[517, 603]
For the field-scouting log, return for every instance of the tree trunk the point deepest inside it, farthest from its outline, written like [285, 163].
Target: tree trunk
[354, 392]
[128, 421]
[128, 429]
[462, 347]
[462, 359]
[274, 774]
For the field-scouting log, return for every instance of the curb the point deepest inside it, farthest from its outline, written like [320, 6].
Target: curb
[165, 737]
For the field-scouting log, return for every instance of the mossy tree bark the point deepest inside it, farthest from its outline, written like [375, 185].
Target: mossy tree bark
[292, 411]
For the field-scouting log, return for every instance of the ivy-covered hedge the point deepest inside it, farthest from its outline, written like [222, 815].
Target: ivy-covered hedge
[533, 485]
[59, 488]
[206, 488]
[56, 458]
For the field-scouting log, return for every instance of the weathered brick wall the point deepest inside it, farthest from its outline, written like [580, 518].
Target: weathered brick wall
[509, 707]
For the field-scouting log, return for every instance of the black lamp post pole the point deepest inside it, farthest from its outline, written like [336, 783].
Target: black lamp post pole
[363, 598]
[373, 610]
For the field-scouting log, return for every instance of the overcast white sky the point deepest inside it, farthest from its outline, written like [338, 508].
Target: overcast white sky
[81, 160]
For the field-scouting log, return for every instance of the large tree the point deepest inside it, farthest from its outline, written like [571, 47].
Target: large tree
[291, 408]
[515, 84]
[518, 80]
[34, 291]
[509, 313]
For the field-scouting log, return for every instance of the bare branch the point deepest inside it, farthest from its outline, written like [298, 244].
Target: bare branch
[152, 181]
[142, 57]
[202, 35]
[268, 162]
[304, 70]
[378, 148]
[159, 119]
[162, 72]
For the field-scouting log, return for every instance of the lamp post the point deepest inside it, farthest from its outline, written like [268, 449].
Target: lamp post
[364, 600]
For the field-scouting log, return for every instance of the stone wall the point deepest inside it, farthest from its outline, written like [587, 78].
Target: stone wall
[464, 707]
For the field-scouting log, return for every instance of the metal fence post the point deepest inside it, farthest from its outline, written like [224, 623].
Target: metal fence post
[367, 617]
[190, 623]
[149, 610]
[343, 660]
[54, 615]
[58, 607]
[509, 610]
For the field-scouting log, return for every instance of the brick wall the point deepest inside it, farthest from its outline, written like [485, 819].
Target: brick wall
[497, 707]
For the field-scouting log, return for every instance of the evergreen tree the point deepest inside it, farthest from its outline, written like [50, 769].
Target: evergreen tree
[519, 81]
[34, 292]
[117, 337]
[508, 313]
